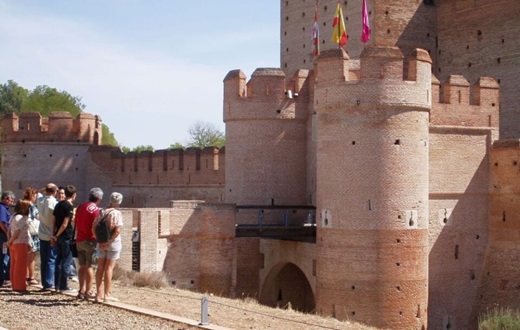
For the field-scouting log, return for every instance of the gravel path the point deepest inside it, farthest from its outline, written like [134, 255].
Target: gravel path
[47, 310]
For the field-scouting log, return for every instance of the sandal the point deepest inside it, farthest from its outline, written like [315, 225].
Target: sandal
[89, 296]
[111, 299]
[31, 281]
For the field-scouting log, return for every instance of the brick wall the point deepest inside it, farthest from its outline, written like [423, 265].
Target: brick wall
[249, 261]
[200, 250]
[499, 283]
[407, 24]
[34, 164]
[480, 38]
[459, 209]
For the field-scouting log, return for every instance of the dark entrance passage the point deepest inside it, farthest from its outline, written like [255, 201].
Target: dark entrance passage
[286, 285]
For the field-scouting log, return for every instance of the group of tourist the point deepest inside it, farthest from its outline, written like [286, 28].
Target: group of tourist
[47, 222]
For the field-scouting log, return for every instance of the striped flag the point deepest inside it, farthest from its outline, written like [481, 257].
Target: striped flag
[339, 34]
[365, 32]
[316, 33]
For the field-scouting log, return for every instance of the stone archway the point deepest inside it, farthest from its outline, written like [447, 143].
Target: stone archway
[286, 284]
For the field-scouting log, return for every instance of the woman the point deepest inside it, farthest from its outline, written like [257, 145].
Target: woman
[33, 222]
[108, 252]
[20, 244]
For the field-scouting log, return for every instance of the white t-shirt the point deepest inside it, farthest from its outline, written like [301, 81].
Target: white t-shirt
[46, 206]
[18, 222]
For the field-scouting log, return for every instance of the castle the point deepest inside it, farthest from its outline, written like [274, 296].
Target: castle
[370, 185]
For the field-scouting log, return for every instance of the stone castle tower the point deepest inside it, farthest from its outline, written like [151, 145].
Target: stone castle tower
[362, 134]
[263, 124]
[372, 191]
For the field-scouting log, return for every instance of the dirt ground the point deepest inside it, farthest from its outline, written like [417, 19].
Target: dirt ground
[230, 313]
[224, 312]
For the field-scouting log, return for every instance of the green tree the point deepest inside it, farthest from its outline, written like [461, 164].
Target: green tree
[45, 100]
[205, 134]
[176, 145]
[137, 149]
[108, 138]
[12, 97]
[143, 148]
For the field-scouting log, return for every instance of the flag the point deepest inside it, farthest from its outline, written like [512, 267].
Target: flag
[365, 31]
[316, 33]
[339, 34]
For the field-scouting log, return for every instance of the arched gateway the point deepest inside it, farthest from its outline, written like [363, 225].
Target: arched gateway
[285, 285]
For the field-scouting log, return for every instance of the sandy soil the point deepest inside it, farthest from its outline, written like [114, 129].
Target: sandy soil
[231, 313]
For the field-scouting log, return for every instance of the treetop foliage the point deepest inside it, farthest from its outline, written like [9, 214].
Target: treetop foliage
[44, 99]
[205, 134]
[138, 149]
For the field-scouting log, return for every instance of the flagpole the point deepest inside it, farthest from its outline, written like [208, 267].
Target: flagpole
[339, 29]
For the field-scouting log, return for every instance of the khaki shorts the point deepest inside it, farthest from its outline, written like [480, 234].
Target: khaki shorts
[85, 251]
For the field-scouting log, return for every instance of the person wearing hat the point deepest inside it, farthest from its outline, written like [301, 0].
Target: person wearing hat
[110, 251]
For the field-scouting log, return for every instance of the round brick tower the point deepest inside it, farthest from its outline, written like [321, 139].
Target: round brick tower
[372, 187]
[265, 139]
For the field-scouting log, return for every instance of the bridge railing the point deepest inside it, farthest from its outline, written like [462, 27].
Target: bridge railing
[288, 222]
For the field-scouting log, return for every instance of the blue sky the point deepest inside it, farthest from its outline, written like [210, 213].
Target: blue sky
[150, 69]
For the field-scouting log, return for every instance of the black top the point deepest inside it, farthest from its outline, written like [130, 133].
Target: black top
[64, 209]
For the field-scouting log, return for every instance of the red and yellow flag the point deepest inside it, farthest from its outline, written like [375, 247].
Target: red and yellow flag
[339, 34]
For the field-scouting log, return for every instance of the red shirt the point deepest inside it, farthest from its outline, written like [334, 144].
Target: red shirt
[85, 215]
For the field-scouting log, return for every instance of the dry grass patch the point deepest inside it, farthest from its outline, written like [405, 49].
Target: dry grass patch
[500, 319]
[155, 280]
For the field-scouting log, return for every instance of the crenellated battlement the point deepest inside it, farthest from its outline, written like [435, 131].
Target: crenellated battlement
[58, 127]
[379, 79]
[267, 95]
[192, 166]
[458, 103]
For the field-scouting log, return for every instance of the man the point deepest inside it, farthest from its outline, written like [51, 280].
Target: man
[46, 206]
[86, 241]
[63, 232]
[60, 196]
[7, 201]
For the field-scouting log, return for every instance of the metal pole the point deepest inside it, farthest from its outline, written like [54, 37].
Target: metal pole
[204, 311]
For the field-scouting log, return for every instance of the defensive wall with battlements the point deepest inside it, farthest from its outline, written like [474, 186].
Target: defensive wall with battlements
[66, 150]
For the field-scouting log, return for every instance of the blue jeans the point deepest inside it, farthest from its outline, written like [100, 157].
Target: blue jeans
[63, 260]
[48, 260]
[4, 260]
